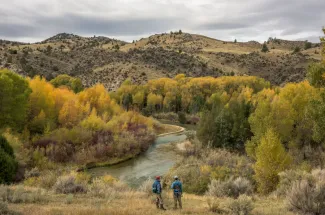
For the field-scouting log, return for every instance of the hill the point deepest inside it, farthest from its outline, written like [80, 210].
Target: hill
[109, 61]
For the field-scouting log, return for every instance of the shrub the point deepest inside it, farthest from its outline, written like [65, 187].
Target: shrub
[47, 179]
[265, 48]
[4, 210]
[8, 164]
[230, 188]
[69, 199]
[32, 173]
[182, 117]
[308, 45]
[100, 189]
[296, 50]
[215, 205]
[241, 206]
[107, 187]
[288, 178]
[146, 187]
[67, 184]
[308, 196]
[21, 195]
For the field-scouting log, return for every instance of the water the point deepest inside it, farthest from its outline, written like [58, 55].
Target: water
[156, 161]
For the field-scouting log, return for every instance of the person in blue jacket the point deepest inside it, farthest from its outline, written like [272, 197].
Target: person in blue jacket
[156, 189]
[178, 191]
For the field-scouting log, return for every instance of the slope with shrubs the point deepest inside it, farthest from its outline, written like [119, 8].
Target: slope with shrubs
[109, 61]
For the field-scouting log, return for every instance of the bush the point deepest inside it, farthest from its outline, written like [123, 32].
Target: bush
[8, 164]
[100, 189]
[4, 210]
[288, 178]
[230, 188]
[182, 117]
[107, 187]
[296, 50]
[308, 45]
[308, 196]
[21, 195]
[67, 184]
[241, 206]
[146, 187]
[32, 173]
[265, 48]
[215, 205]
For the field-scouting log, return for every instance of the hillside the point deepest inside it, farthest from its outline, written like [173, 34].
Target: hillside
[110, 61]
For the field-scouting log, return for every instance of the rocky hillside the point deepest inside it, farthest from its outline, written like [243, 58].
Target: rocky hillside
[110, 61]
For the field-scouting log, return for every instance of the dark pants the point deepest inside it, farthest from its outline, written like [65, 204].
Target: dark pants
[177, 198]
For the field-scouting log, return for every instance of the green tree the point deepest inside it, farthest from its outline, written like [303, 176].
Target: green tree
[72, 83]
[8, 164]
[315, 74]
[265, 48]
[271, 159]
[308, 45]
[296, 50]
[14, 94]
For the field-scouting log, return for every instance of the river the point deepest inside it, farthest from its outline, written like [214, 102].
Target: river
[156, 161]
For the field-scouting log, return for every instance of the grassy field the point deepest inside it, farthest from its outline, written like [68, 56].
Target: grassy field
[136, 203]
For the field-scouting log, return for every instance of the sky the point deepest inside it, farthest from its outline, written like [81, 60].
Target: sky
[244, 20]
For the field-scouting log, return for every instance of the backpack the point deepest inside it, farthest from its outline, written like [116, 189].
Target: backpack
[154, 187]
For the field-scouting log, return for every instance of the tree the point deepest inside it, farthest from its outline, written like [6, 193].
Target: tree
[296, 50]
[265, 48]
[72, 83]
[14, 94]
[315, 74]
[235, 41]
[271, 159]
[308, 45]
[8, 163]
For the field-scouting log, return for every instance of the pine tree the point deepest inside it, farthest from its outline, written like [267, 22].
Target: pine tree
[265, 48]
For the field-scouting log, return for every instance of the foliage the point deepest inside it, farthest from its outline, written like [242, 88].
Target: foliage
[296, 50]
[68, 184]
[264, 48]
[8, 163]
[271, 159]
[307, 196]
[14, 94]
[315, 74]
[241, 206]
[230, 188]
[308, 45]
[226, 124]
[65, 80]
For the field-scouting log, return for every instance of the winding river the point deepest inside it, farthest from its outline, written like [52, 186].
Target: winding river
[156, 161]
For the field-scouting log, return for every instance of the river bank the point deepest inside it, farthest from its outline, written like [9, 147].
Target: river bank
[165, 130]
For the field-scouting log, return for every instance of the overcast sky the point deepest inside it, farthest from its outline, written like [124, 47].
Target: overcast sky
[244, 20]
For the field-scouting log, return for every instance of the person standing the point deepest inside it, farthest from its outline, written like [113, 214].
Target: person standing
[156, 188]
[178, 191]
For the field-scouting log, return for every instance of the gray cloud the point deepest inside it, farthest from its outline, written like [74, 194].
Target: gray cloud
[35, 20]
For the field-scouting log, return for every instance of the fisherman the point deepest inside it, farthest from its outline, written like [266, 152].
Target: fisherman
[156, 188]
[178, 192]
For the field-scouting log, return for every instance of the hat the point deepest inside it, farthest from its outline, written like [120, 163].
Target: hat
[157, 177]
[175, 177]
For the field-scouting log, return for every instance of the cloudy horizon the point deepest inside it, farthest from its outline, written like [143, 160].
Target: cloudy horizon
[244, 20]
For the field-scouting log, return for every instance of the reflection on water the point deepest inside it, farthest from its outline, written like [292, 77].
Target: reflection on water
[153, 162]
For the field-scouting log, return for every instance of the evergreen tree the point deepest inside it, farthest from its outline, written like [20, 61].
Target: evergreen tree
[265, 48]
[8, 164]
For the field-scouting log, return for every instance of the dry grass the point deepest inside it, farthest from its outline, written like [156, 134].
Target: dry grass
[137, 203]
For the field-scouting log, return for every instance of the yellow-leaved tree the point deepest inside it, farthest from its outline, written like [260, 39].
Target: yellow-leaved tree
[271, 159]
